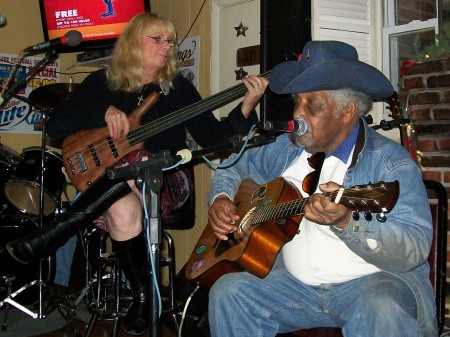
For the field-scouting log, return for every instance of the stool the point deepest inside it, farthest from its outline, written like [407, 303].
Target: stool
[108, 285]
[170, 305]
[107, 300]
[180, 219]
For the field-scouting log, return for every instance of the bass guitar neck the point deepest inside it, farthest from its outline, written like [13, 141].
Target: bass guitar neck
[87, 153]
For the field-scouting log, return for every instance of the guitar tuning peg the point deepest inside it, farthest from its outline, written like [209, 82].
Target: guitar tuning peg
[368, 216]
[381, 217]
[355, 216]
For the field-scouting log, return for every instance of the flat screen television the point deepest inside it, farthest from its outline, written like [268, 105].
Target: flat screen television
[99, 21]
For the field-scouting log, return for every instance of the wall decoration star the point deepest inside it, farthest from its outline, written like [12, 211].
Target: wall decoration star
[240, 30]
[240, 74]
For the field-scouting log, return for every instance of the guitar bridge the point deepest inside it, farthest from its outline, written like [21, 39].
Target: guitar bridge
[80, 162]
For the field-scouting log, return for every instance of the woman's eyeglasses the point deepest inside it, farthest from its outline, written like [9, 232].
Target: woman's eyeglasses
[161, 40]
[311, 180]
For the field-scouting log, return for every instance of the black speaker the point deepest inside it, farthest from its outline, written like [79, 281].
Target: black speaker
[285, 28]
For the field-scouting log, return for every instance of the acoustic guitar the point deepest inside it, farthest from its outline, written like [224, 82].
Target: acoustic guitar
[270, 216]
[87, 153]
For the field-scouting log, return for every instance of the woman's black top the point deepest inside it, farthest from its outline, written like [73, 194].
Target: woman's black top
[85, 109]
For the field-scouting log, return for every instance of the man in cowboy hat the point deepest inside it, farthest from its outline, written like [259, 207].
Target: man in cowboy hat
[367, 275]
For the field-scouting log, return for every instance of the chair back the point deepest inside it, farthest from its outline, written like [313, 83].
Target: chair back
[182, 218]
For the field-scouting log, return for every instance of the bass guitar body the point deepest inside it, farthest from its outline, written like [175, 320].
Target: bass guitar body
[253, 247]
[87, 153]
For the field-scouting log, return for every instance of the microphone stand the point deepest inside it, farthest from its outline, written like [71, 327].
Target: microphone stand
[10, 91]
[150, 172]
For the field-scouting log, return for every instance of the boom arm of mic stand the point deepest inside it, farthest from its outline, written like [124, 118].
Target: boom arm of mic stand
[235, 144]
[155, 163]
[9, 92]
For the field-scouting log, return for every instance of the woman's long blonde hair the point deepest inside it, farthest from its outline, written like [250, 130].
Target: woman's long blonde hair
[125, 72]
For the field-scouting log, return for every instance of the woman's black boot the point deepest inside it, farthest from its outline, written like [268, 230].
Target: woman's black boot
[134, 261]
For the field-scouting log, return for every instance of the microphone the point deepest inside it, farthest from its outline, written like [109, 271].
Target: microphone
[160, 160]
[297, 126]
[72, 38]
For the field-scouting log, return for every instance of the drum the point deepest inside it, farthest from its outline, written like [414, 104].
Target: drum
[23, 189]
[13, 227]
[8, 162]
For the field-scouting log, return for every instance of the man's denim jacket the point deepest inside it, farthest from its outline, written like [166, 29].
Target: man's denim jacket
[402, 242]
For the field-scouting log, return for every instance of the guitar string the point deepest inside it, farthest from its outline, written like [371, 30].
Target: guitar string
[188, 112]
[294, 207]
[161, 124]
[273, 212]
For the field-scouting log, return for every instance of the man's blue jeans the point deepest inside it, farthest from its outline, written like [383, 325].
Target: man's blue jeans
[242, 305]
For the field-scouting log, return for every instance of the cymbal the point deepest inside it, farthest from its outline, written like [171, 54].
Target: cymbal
[52, 94]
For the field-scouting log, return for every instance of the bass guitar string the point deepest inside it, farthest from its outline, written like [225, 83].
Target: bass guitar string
[146, 131]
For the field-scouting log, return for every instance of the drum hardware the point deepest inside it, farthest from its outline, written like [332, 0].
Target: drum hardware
[8, 281]
[4, 207]
[49, 96]
[14, 227]
[43, 202]
[8, 93]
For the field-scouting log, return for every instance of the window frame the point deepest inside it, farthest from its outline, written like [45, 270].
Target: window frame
[390, 30]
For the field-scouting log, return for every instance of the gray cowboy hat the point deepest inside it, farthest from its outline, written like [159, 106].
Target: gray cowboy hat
[329, 65]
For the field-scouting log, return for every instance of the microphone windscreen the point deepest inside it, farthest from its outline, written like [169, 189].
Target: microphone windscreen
[74, 38]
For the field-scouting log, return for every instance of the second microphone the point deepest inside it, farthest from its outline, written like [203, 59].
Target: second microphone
[297, 126]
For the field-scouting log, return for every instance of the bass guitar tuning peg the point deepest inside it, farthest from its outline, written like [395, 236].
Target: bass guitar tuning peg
[368, 216]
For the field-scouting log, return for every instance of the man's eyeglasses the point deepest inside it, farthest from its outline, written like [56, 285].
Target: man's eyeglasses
[161, 39]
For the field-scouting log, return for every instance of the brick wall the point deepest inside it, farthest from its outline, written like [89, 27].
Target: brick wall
[427, 87]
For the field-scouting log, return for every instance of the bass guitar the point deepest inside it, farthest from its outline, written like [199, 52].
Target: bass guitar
[270, 216]
[87, 153]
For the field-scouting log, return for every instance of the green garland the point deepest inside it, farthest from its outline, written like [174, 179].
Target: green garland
[431, 51]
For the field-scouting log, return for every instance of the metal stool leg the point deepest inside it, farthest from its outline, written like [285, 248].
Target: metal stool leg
[100, 311]
[169, 261]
